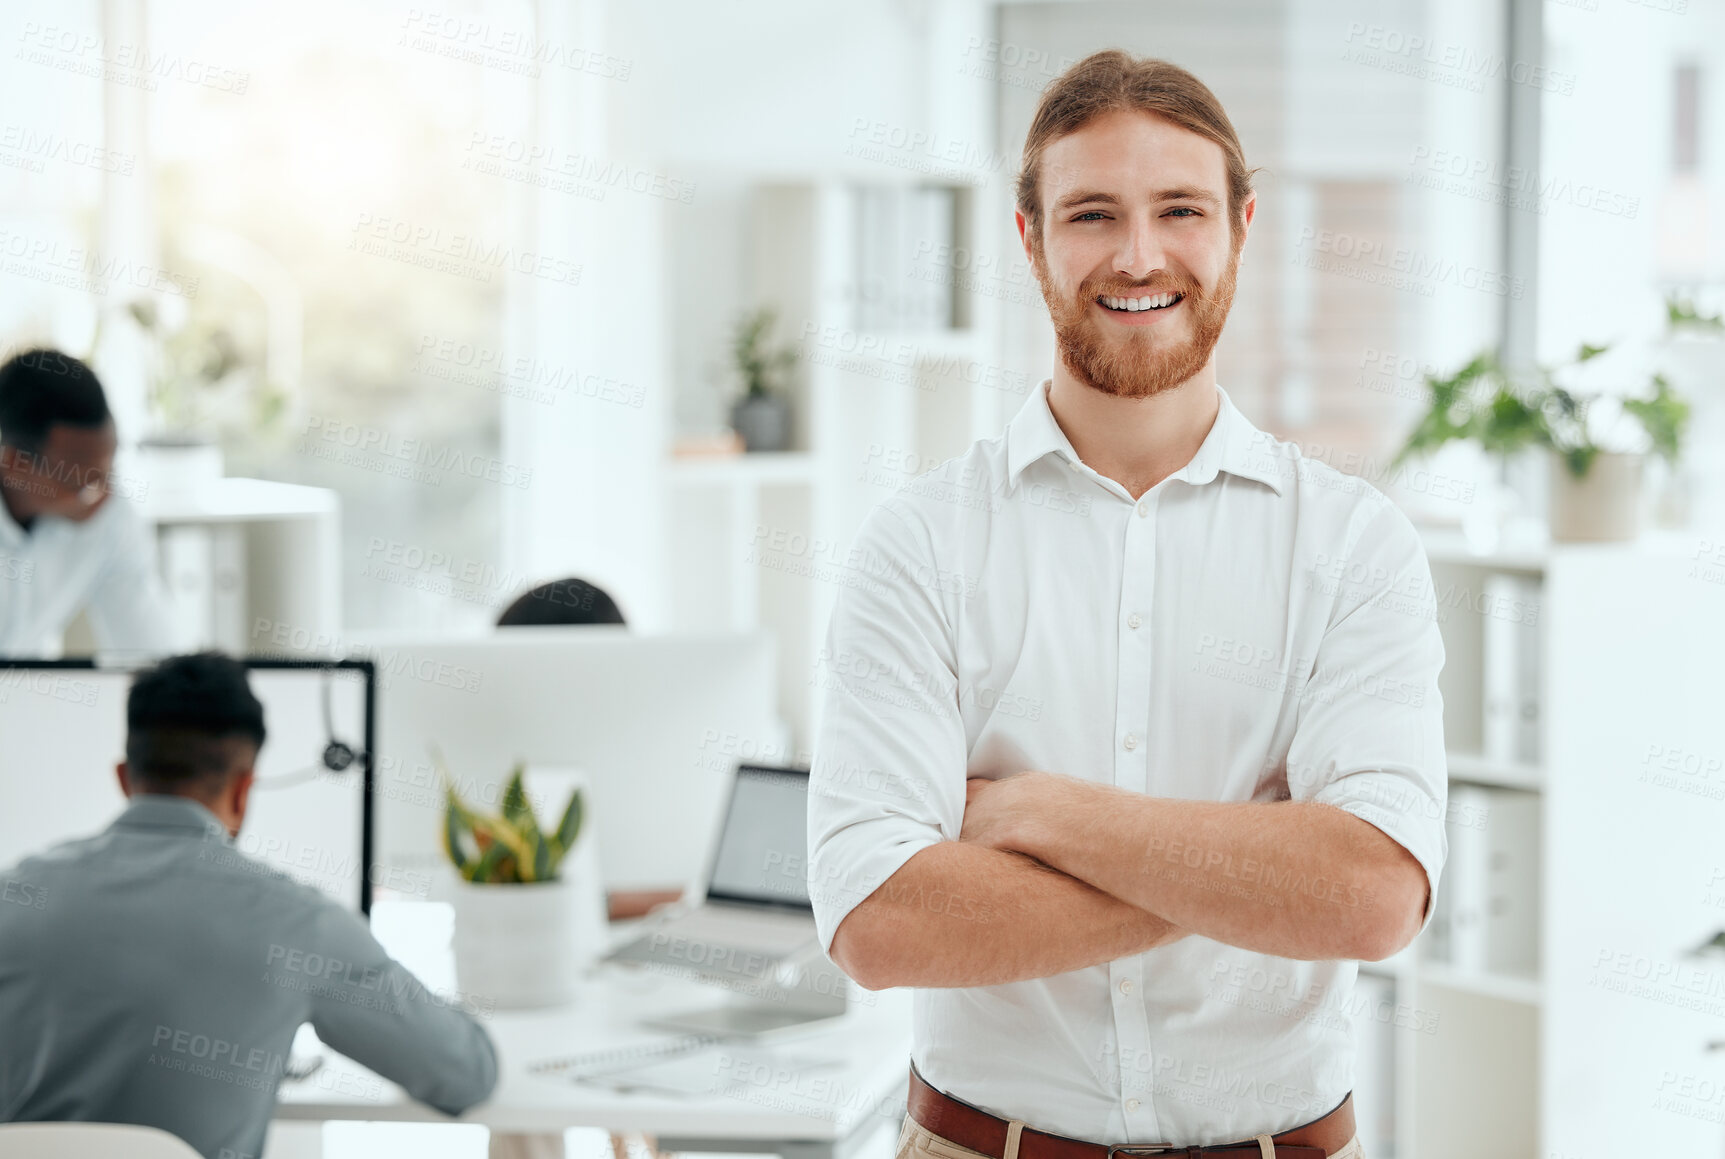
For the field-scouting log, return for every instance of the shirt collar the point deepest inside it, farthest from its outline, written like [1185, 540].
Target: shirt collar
[167, 811]
[1233, 445]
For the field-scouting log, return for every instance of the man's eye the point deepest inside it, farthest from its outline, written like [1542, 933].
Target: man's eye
[1091, 215]
[1184, 209]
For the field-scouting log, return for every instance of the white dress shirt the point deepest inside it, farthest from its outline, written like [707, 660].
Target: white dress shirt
[104, 566]
[1255, 627]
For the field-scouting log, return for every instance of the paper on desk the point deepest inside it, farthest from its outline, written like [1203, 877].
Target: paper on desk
[721, 1069]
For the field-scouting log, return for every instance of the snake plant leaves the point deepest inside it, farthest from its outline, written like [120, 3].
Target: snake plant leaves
[508, 846]
[569, 827]
[517, 809]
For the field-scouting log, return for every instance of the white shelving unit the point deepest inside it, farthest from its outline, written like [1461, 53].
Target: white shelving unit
[240, 557]
[1474, 1040]
[1516, 1064]
[870, 410]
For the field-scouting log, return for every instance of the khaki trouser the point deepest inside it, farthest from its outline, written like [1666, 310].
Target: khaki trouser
[917, 1142]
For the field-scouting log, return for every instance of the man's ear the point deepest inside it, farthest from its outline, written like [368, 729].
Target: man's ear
[125, 778]
[1024, 235]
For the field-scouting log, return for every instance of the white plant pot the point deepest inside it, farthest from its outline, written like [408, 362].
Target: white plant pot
[175, 470]
[516, 945]
[1603, 506]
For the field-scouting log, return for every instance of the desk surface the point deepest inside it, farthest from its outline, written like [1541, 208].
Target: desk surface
[865, 1089]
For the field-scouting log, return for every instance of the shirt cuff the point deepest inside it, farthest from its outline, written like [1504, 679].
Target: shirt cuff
[1415, 832]
[854, 862]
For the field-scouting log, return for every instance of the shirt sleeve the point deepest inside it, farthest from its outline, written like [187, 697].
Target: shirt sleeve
[127, 609]
[1369, 737]
[887, 778]
[374, 1010]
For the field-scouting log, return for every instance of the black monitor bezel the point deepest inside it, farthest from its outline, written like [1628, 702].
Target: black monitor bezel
[367, 756]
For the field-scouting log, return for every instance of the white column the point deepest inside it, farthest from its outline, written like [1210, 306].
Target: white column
[593, 506]
[126, 230]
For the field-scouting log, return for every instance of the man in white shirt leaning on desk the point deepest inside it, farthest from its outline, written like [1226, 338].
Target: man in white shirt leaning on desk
[1132, 743]
[68, 544]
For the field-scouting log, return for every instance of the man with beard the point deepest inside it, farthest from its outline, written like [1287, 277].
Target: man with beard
[1125, 760]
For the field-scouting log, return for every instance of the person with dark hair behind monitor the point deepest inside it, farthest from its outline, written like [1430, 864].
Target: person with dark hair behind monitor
[67, 543]
[154, 975]
[561, 602]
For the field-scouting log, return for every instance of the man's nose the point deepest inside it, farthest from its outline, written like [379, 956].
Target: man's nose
[1141, 252]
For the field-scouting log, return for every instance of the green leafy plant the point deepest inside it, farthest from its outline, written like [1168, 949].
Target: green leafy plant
[764, 369]
[1664, 416]
[1506, 413]
[1681, 312]
[507, 846]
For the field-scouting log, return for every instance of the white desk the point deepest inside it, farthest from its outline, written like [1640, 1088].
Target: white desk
[817, 1115]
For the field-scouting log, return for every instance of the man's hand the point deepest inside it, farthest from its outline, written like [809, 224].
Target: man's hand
[1012, 813]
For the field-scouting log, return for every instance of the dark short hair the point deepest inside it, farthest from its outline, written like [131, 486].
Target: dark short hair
[564, 601]
[181, 715]
[41, 387]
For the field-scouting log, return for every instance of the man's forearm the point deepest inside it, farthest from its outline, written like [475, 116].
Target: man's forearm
[961, 914]
[1294, 879]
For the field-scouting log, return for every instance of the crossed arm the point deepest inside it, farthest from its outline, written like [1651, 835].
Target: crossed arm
[1056, 874]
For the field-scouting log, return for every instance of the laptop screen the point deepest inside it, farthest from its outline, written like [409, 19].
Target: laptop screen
[763, 848]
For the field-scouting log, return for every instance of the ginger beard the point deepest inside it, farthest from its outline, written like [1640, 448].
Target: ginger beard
[1138, 362]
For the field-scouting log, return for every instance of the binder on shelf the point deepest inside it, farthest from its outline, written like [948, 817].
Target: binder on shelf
[904, 265]
[1499, 672]
[186, 554]
[1529, 670]
[228, 587]
[1510, 669]
[1488, 908]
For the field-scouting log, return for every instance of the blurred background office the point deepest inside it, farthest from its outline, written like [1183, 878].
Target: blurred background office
[403, 312]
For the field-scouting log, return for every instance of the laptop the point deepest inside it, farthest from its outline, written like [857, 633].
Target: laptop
[755, 912]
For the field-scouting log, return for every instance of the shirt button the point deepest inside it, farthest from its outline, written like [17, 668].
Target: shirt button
[1131, 1104]
[1134, 620]
[1125, 985]
[1143, 508]
[1131, 741]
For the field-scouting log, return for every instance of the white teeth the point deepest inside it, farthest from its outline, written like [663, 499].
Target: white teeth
[1136, 305]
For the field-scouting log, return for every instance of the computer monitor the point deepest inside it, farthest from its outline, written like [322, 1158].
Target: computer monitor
[656, 725]
[63, 731]
[763, 844]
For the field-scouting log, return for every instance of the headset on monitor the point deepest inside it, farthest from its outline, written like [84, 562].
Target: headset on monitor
[338, 756]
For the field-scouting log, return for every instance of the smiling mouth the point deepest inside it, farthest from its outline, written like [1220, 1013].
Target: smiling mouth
[1141, 303]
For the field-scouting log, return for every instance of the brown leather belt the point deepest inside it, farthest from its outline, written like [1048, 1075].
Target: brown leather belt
[973, 1128]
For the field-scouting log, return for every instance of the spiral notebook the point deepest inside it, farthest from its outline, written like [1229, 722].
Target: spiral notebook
[598, 1063]
[691, 1065]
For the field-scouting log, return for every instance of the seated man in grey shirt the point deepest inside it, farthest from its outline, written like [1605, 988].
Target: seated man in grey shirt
[152, 974]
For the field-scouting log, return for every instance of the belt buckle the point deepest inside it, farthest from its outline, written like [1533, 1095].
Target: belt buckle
[1144, 1149]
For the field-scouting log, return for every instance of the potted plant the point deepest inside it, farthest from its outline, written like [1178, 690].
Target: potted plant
[762, 415]
[515, 917]
[1595, 482]
[198, 374]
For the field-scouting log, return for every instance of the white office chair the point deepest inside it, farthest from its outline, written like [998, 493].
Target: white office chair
[90, 1141]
